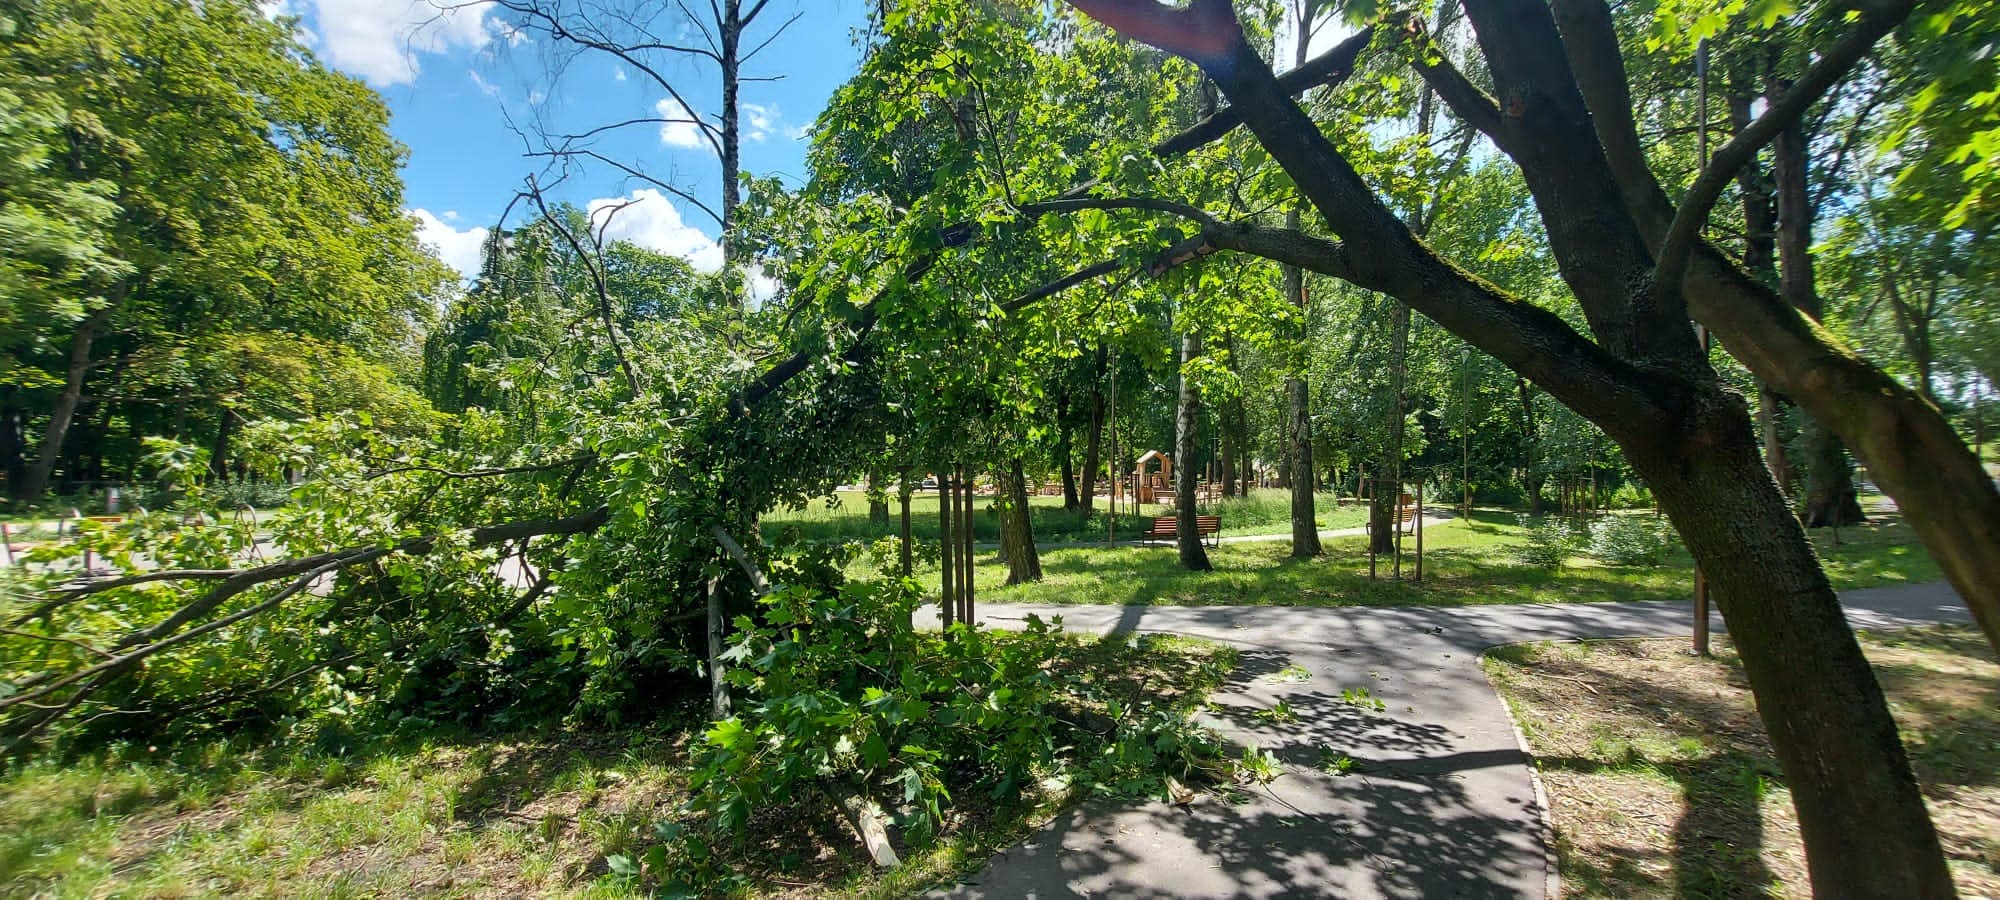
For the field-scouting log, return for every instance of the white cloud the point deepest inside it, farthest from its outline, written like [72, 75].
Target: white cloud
[459, 249]
[618, 74]
[380, 40]
[680, 130]
[761, 121]
[485, 87]
[758, 120]
[652, 221]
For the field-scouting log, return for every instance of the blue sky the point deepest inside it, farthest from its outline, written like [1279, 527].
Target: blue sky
[470, 98]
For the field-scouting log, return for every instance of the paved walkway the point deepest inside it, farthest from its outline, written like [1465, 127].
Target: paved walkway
[1442, 805]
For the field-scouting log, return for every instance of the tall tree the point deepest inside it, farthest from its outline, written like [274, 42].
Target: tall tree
[1643, 378]
[319, 246]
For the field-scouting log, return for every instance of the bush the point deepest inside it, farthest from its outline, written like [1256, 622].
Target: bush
[1551, 541]
[1633, 540]
[837, 697]
[235, 493]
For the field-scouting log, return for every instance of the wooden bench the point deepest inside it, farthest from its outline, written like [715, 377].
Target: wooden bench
[7, 544]
[1405, 515]
[1167, 528]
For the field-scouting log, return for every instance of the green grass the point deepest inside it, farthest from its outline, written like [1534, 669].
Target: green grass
[500, 816]
[844, 516]
[1464, 563]
[1662, 784]
[521, 815]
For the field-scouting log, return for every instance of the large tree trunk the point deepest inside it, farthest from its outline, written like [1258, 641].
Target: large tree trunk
[13, 442]
[1863, 820]
[1389, 486]
[1298, 465]
[1226, 426]
[1065, 446]
[1093, 439]
[1187, 417]
[64, 412]
[218, 452]
[905, 564]
[1760, 257]
[1830, 493]
[729, 62]
[1642, 380]
[1298, 393]
[878, 502]
[1531, 472]
[1017, 531]
[1912, 453]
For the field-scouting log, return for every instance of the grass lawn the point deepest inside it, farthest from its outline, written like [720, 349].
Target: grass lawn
[470, 816]
[1465, 562]
[844, 516]
[1661, 782]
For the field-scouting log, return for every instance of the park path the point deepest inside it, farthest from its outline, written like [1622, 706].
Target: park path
[1442, 803]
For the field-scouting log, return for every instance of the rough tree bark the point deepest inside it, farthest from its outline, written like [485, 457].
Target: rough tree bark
[1017, 529]
[1389, 484]
[1065, 446]
[1187, 417]
[1831, 500]
[1911, 451]
[13, 442]
[1093, 438]
[1531, 471]
[878, 502]
[1298, 393]
[64, 411]
[1226, 425]
[1643, 380]
[1760, 258]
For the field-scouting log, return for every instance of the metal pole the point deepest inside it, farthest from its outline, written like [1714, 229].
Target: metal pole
[1700, 613]
[1420, 532]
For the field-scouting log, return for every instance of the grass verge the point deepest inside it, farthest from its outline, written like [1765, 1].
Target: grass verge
[1466, 562]
[844, 516]
[1661, 782]
[474, 816]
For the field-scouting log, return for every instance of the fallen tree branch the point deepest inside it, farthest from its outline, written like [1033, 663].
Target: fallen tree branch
[486, 473]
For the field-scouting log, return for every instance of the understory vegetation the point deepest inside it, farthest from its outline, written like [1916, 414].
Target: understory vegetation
[1489, 559]
[1614, 289]
[1015, 723]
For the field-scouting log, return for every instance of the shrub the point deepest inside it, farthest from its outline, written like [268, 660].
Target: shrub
[1551, 541]
[235, 493]
[1633, 540]
[837, 697]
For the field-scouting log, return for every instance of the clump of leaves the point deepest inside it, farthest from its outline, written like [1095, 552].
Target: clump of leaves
[1280, 712]
[1362, 698]
[1632, 540]
[840, 699]
[1259, 765]
[1290, 674]
[1551, 542]
[1335, 763]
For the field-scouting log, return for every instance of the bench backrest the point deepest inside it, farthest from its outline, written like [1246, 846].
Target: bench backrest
[1203, 524]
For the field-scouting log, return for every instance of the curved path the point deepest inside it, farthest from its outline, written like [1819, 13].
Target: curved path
[1442, 803]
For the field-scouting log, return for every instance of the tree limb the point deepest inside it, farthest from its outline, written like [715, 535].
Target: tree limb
[1876, 21]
